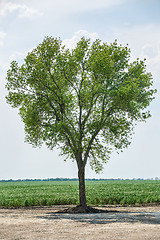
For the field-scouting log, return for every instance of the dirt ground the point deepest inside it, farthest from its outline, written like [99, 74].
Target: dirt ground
[129, 223]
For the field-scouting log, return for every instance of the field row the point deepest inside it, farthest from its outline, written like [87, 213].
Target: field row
[25, 194]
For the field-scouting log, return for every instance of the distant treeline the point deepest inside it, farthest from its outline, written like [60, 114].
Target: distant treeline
[74, 179]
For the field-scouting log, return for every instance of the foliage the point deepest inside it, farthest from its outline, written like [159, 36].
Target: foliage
[85, 101]
[25, 194]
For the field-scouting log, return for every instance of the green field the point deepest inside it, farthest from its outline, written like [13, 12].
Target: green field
[48, 193]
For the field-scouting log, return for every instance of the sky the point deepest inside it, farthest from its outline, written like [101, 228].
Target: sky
[24, 24]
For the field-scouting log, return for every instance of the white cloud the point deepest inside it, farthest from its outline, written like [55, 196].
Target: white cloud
[2, 36]
[152, 54]
[83, 5]
[148, 51]
[94, 4]
[23, 10]
[144, 42]
[71, 43]
[19, 56]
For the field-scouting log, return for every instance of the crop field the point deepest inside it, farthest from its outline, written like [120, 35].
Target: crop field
[48, 193]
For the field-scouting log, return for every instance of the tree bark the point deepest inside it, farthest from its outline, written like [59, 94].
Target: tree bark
[82, 193]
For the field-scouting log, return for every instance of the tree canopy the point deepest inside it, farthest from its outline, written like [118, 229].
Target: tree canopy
[85, 100]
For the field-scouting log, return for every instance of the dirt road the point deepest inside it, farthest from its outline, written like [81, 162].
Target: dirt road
[130, 223]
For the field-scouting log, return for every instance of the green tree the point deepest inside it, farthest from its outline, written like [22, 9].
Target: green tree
[86, 100]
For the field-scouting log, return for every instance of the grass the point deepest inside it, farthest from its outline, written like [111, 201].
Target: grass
[48, 193]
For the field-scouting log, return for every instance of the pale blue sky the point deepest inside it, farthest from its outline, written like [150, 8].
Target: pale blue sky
[24, 24]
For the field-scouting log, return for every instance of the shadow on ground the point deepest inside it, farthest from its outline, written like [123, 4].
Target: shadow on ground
[108, 217]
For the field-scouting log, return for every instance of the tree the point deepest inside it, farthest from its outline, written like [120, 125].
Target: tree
[85, 100]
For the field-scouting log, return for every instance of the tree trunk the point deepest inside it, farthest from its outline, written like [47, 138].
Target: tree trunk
[82, 193]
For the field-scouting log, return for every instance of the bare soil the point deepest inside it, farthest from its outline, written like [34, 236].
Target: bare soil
[53, 223]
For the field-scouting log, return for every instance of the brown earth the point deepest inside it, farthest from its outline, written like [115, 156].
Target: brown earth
[47, 223]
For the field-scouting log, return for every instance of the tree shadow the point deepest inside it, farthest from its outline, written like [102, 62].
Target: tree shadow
[107, 217]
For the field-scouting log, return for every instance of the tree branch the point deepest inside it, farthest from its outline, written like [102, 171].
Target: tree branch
[89, 111]
[54, 80]
[90, 145]
[97, 130]
[70, 81]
